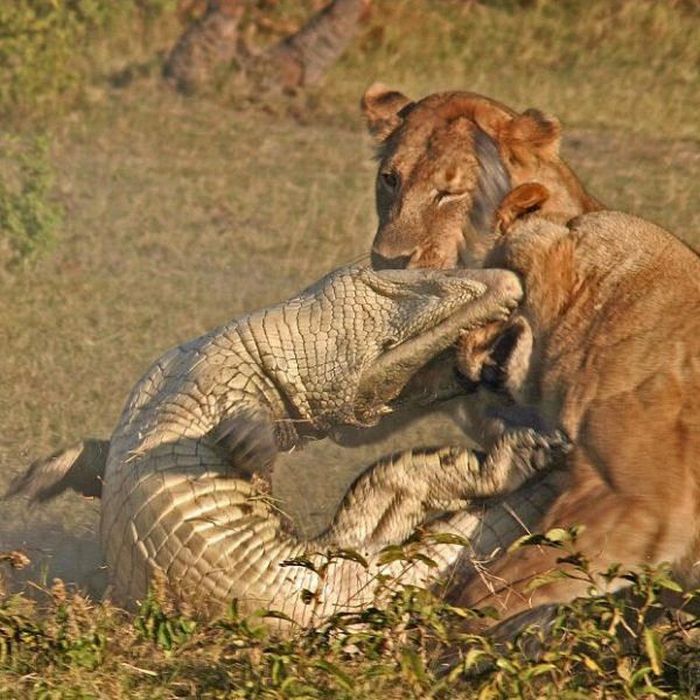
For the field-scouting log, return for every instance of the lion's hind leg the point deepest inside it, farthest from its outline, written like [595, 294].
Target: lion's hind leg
[611, 530]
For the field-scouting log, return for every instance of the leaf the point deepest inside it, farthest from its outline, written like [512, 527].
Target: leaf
[668, 583]
[341, 677]
[506, 665]
[623, 669]
[544, 579]
[526, 541]
[350, 555]
[293, 687]
[430, 563]
[488, 692]
[390, 554]
[277, 670]
[164, 637]
[576, 559]
[538, 670]
[654, 649]
[465, 613]
[307, 596]
[592, 665]
[448, 538]
[303, 562]
[276, 615]
[412, 664]
[558, 534]
[473, 656]
[640, 675]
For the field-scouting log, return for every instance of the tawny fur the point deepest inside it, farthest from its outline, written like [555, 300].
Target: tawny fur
[445, 164]
[611, 328]
[614, 306]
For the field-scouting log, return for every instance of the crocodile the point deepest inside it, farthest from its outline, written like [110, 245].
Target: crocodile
[183, 478]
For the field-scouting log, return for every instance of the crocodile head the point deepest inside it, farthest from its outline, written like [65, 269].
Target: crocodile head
[360, 335]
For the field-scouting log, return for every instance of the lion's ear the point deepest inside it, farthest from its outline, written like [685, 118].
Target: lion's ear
[533, 133]
[383, 109]
[491, 118]
[524, 199]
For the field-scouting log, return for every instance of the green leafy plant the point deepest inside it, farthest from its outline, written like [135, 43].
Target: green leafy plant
[68, 633]
[46, 45]
[161, 623]
[411, 643]
[28, 216]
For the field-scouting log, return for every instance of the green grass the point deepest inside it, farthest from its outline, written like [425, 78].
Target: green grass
[180, 213]
[28, 218]
[413, 645]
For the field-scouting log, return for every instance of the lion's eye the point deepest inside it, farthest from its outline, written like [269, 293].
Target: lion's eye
[390, 180]
[443, 196]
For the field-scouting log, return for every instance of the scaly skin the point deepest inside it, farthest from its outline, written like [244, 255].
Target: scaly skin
[218, 537]
[181, 485]
[177, 493]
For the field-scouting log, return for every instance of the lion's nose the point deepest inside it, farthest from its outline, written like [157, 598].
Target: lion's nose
[381, 262]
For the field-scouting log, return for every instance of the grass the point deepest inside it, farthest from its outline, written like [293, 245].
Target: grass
[180, 213]
[412, 646]
[27, 218]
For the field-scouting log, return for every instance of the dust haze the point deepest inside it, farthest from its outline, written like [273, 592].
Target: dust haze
[309, 483]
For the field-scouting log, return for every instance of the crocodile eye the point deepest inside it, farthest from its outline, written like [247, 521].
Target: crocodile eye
[390, 180]
[390, 344]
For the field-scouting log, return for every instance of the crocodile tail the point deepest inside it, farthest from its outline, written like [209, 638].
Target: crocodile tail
[80, 467]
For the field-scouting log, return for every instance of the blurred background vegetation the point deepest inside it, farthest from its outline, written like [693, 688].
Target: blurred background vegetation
[624, 63]
[625, 68]
[133, 217]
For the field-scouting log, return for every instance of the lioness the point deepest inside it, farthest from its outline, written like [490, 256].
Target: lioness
[445, 164]
[608, 345]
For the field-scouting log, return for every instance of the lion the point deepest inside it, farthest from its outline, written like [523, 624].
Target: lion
[445, 164]
[606, 345]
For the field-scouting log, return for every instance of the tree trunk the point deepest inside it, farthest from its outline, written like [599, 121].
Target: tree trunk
[320, 42]
[212, 43]
[207, 44]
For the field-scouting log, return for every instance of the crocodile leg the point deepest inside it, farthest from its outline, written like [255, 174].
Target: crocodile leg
[401, 492]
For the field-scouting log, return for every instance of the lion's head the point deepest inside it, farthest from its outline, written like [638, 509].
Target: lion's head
[445, 164]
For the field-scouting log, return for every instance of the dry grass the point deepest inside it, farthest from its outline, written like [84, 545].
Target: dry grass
[183, 213]
[180, 213]
[619, 64]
